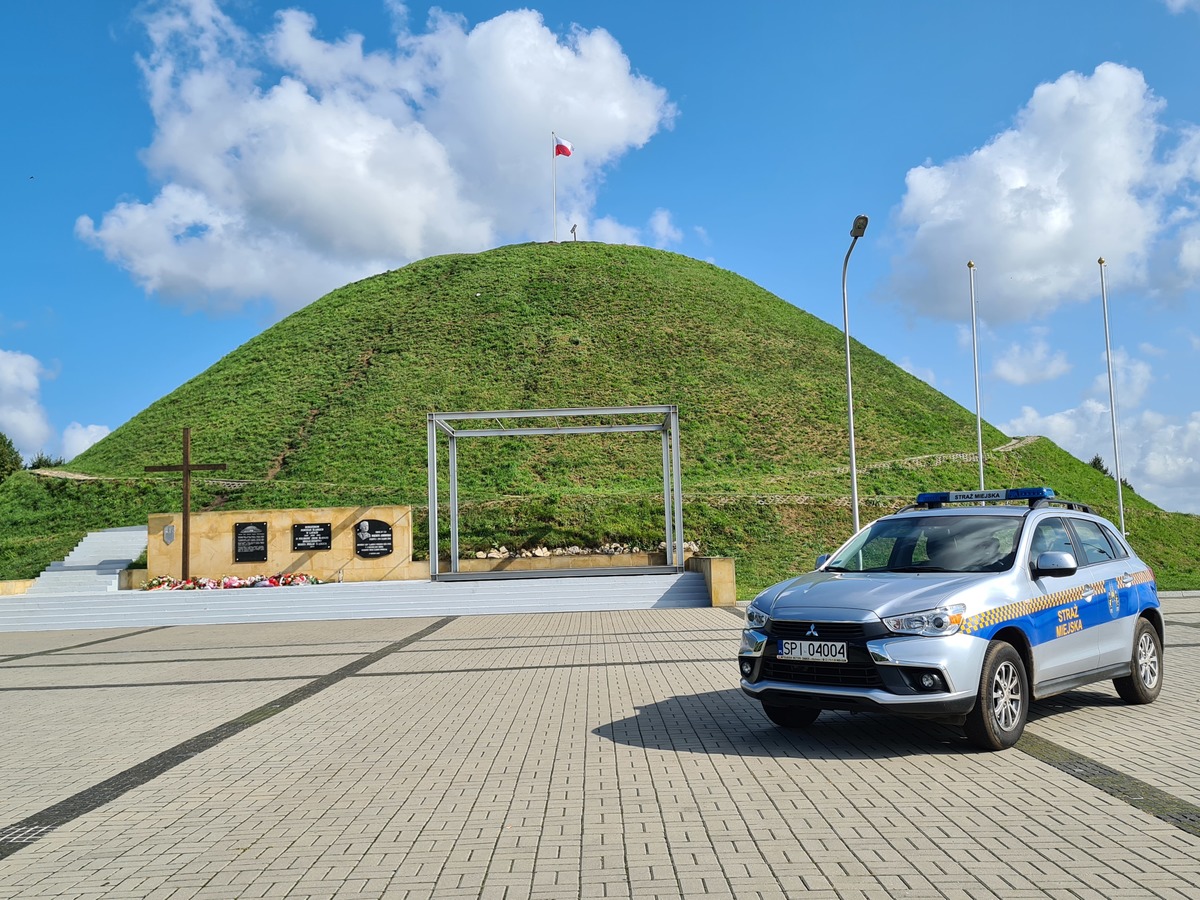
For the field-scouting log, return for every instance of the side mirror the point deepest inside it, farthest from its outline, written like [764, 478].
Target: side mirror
[1054, 564]
[822, 559]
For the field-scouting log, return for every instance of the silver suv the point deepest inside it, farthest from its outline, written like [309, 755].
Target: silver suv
[962, 614]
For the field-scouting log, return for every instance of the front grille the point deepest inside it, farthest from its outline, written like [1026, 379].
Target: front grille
[826, 631]
[862, 675]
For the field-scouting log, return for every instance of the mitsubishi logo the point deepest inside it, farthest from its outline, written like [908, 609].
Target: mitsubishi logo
[812, 631]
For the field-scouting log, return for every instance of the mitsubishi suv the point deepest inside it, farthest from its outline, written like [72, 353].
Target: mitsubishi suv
[959, 613]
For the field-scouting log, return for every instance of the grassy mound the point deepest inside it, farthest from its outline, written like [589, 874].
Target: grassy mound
[328, 407]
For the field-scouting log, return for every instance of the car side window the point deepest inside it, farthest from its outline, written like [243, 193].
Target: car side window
[1117, 544]
[1095, 546]
[1050, 535]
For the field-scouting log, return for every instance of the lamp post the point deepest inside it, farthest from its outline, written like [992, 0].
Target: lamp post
[857, 230]
[975, 351]
[1112, 397]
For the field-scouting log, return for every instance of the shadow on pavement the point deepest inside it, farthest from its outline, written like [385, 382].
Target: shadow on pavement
[1072, 700]
[729, 723]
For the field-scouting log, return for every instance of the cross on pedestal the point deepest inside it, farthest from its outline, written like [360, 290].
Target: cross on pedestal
[187, 469]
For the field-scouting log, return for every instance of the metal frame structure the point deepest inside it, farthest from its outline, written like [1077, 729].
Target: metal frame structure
[667, 426]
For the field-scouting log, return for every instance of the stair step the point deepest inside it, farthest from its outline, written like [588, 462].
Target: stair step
[123, 609]
[93, 567]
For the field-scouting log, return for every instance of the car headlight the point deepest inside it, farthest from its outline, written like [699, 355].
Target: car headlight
[756, 618]
[931, 622]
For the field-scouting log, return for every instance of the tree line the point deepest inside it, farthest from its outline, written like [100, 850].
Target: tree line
[11, 460]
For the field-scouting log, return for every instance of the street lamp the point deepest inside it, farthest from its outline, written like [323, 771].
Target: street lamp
[1112, 397]
[857, 230]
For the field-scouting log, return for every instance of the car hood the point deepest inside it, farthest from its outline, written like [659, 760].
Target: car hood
[861, 596]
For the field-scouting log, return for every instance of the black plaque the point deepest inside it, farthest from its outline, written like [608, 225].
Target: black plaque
[312, 536]
[372, 538]
[250, 542]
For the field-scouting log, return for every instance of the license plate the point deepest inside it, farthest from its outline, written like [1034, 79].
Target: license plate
[813, 651]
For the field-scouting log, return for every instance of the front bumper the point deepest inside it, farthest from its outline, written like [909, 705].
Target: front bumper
[933, 677]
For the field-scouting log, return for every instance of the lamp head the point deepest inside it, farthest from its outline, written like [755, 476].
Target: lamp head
[859, 228]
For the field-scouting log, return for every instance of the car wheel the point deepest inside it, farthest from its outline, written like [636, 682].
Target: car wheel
[1143, 683]
[791, 716]
[1002, 706]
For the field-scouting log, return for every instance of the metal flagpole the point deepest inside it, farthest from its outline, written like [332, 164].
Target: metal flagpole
[1112, 397]
[975, 350]
[554, 180]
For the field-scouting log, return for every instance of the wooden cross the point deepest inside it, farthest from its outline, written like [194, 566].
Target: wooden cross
[187, 469]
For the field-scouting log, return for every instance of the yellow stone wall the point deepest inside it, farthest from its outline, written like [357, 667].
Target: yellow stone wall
[12, 588]
[720, 577]
[212, 540]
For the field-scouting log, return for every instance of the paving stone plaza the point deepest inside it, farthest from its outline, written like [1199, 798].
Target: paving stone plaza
[573, 755]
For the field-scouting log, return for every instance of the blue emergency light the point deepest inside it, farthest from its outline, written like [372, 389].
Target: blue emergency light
[1026, 493]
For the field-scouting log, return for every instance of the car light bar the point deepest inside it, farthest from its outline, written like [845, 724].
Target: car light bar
[1027, 493]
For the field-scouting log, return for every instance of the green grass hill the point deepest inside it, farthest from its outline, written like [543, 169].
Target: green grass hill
[328, 407]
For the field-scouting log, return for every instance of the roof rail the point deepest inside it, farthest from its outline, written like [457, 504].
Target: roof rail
[1065, 504]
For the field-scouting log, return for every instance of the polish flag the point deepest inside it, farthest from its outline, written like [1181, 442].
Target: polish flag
[561, 147]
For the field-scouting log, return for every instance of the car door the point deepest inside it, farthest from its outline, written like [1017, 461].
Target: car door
[1114, 593]
[1064, 641]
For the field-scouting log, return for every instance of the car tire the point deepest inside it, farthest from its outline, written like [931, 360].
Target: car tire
[791, 716]
[1144, 681]
[1002, 706]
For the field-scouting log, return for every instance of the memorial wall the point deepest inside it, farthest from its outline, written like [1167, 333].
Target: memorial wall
[363, 543]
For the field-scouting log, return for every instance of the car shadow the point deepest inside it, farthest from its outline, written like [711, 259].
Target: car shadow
[729, 723]
[1073, 700]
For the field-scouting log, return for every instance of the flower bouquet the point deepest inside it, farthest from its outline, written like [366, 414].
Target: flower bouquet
[283, 579]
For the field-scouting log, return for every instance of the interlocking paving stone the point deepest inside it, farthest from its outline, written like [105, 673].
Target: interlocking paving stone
[573, 755]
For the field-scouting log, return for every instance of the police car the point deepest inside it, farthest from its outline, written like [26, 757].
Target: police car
[962, 607]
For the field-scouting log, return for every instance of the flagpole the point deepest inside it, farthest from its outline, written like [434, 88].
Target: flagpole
[1112, 397]
[975, 352]
[554, 180]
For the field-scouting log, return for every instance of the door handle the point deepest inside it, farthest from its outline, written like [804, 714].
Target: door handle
[1126, 579]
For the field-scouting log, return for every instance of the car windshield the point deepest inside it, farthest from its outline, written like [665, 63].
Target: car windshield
[965, 543]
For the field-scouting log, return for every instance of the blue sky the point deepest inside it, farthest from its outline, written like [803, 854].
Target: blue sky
[180, 175]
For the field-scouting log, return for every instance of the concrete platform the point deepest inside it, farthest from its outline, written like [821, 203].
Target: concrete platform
[569, 755]
[364, 600]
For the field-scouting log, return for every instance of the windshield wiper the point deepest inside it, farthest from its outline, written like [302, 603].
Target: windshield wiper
[919, 569]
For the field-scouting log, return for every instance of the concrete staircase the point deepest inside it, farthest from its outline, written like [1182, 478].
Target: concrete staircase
[109, 608]
[94, 565]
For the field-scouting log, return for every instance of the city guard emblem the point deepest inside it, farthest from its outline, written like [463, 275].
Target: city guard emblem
[1114, 599]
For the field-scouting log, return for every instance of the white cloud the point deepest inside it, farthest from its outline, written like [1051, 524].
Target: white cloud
[1030, 363]
[1074, 178]
[77, 438]
[610, 231]
[1150, 349]
[1178, 6]
[290, 164]
[926, 375]
[1160, 455]
[22, 417]
[1131, 377]
[662, 230]
[963, 337]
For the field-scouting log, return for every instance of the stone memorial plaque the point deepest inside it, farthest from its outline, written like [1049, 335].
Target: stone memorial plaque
[312, 536]
[372, 538]
[250, 542]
